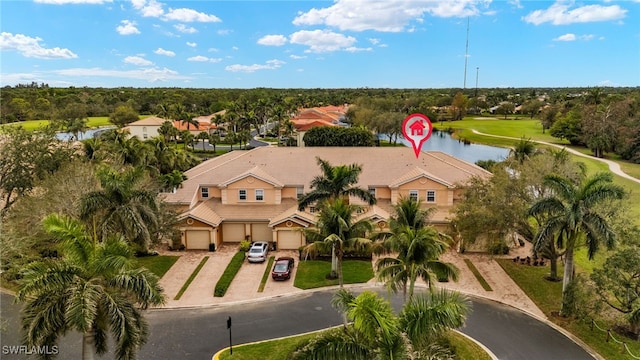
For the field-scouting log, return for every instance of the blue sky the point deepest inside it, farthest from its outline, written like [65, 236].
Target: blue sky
[320, 44]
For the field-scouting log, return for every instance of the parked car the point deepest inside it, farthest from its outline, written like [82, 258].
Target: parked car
[282, 268]
[258, 251]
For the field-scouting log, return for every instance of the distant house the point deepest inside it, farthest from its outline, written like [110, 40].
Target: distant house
[146, 128]
[254, 194]
[309, 118]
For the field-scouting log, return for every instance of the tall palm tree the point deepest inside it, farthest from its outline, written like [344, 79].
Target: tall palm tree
[335, 182]
[94, 288]
[123, 206]
[377, 333]
[417, 251]
[409, 212]
[335, 231]
[571, 211]
[523, 150]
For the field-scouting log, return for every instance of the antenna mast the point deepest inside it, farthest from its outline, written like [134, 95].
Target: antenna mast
[466, 56]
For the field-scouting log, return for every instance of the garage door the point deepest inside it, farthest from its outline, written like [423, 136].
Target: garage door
[289, 240]
[232, 232]
[197, 239]
[261, 232]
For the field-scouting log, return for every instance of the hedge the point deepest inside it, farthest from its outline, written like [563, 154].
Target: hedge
[229, 273]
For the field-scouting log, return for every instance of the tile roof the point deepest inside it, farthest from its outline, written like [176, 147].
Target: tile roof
[292, 166]
[150, 121]
[215, 212]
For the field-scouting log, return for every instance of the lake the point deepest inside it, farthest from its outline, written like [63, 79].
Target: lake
[442, 141]
[83, 135]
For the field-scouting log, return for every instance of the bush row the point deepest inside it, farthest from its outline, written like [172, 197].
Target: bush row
[229, 273]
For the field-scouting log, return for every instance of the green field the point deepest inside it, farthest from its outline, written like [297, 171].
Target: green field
[531, 129]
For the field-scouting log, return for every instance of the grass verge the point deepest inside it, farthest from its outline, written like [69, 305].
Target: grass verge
[229, 273]
[547, 295]
[313, 273]
[280, 348]
[476, 273]
[267, 272]
[191, 277]
[159, 265]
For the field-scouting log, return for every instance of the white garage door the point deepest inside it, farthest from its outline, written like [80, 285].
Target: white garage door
[289, 240]
[261, 232]
[232, 232]
[197, 239]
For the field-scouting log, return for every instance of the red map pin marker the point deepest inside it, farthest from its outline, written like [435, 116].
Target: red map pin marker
[417, 129]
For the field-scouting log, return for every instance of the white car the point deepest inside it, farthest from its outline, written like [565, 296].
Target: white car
[258, 251]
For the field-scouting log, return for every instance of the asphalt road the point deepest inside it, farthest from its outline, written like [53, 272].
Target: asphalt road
[199, 333]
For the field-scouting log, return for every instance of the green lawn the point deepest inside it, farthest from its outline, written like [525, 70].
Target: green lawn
[531, 129]
[158, 265]
[547, 296]
[280, 348]
[313, 273]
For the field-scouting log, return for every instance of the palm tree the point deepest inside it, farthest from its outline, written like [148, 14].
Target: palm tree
[94, 288]
[336, 231]
[377, 333]
[409, 212]
[524, 149]
[167, 130]
[122, 206]
[418, 252]
[571, 211]
[335, 182]
[202, 136]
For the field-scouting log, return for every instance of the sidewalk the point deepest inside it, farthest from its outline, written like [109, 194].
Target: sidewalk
[245, 285]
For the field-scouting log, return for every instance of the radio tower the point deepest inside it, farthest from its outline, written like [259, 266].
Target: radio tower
[466, 56]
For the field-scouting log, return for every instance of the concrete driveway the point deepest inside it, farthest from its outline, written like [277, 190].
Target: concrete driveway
[244, 286]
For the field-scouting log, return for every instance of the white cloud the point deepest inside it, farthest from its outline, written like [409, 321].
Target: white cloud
[566, 37]
[357, 49]
[559, 14]
[297, 57]
[137, 60]
[573, 37]
[212, 50]
[273, 40]
[320, 41]
[30, 47]
[374, 41]
[192, 44]
[185, 29]
[269, 65]
[189, 15]
[64, 2]
[387, 16]
[150, 74]
[164, 52]
[201, 58]
[148, 8]
[127, 28]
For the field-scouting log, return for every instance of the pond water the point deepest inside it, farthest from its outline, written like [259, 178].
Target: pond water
[442, 141]
[83, 135]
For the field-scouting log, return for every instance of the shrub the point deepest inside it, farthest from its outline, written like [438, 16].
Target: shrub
[229, 273]
[245, 245]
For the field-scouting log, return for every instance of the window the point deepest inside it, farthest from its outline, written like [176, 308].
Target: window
[259, 195]
[431, 196]
[413, 195]
[204, 192]
[299, 192]
[312, 209]
[372, 192]
[242, 194]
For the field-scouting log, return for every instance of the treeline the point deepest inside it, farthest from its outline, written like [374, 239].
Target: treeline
[605, 120]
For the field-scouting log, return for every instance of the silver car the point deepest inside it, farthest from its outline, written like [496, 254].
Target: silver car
[258, 251]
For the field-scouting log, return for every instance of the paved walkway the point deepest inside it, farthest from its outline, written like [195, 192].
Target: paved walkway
[245, 285]
[613, 166]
